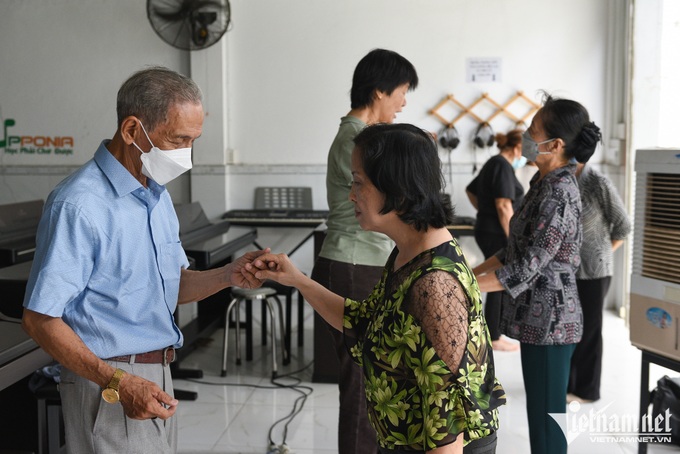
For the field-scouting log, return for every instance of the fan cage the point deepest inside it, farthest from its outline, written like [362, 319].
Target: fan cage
[189, 24]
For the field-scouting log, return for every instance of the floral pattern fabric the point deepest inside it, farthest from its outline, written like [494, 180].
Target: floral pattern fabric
[424, 346]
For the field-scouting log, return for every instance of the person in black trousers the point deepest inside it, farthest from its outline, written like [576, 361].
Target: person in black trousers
[351, 259]
[496, 193]
[605, 226]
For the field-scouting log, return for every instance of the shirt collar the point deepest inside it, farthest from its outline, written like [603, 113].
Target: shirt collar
[120, 178]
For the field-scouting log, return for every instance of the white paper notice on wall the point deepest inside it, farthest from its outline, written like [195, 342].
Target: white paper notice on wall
[484, 69]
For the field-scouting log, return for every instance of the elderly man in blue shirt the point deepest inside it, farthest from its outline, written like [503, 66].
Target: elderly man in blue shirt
[109, 271]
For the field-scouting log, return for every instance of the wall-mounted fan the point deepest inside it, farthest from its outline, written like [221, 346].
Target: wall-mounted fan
[189, 24]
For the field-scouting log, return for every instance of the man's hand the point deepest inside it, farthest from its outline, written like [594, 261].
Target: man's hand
[143, 399]
[239, 275]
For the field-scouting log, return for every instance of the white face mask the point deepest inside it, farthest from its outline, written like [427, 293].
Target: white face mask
[163, 166]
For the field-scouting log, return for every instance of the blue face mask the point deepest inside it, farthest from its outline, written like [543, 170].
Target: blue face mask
[518, 163]
[530, 147]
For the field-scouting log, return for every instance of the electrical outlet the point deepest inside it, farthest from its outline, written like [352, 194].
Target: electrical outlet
[232, 156]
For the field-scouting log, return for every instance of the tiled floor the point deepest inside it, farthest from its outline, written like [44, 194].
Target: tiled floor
[234, 414]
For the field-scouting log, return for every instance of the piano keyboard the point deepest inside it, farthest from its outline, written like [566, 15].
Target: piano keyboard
[276, 217]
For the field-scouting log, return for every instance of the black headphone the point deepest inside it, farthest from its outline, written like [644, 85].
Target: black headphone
[484, 136]
[448, 137]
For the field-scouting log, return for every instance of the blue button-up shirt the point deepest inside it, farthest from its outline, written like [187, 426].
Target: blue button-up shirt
[108, 260]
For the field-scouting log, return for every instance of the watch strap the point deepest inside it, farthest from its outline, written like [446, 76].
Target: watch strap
[115, 380]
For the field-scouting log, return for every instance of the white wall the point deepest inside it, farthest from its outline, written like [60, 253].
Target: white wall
[62, 64]
[288, 68]
[291, 63]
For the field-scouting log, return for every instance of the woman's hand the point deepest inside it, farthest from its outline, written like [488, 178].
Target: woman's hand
[276, 267]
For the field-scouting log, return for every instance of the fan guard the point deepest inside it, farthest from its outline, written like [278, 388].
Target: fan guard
[189, 24]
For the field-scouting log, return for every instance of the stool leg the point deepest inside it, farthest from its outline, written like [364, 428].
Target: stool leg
[249, 330]
[264, 322]
[238, 332]
[226, 336]
[289, 304]
[301, 319]
[271, 318]
[284, 351]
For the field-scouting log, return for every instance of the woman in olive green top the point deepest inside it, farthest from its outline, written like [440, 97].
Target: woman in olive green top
[420, 337]
[351, 259]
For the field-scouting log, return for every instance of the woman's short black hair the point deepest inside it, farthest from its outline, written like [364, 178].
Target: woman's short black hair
[402, 162]
[568, 120]
[382, 70]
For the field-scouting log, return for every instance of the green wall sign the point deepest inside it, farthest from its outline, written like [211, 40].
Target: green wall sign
[34, 145]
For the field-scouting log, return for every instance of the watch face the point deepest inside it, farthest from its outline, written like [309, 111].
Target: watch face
[110, 395]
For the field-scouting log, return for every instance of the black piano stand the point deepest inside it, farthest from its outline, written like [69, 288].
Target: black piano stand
[179, 373]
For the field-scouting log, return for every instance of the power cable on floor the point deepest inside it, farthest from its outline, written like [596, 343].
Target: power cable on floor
[304, 391]
[298, 405]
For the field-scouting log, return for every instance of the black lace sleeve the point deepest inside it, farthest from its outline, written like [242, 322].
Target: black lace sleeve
[438, 301]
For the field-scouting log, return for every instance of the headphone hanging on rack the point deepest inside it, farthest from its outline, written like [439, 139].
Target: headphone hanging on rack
[449, 138]
[484, 136]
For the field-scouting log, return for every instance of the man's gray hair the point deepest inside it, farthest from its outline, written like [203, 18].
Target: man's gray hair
[149, 93]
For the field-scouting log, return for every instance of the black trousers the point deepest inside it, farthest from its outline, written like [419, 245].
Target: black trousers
[586, 362]
[489, 244]
[355, 433]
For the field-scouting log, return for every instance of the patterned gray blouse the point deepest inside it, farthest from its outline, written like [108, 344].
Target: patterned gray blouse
[604, 219]
[541, 305]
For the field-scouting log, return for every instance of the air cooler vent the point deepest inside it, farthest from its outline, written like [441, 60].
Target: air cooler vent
[661, 230]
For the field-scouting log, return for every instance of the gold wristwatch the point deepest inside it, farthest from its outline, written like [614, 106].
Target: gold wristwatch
[110, 393]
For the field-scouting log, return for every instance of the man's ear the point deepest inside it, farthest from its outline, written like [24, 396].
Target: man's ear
[130, 130]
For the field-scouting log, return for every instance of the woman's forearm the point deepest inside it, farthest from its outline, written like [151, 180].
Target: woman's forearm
[489, 265]
[504, 211]
[330, 306]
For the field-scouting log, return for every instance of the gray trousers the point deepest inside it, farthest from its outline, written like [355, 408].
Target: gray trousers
[95, 426]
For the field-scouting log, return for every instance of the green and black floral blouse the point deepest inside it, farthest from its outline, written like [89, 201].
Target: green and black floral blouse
[424, 346]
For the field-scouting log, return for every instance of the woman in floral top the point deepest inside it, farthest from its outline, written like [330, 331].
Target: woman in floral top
[537, 270]
[420, 337]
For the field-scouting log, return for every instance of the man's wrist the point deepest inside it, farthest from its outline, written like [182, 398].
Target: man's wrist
[111, 393]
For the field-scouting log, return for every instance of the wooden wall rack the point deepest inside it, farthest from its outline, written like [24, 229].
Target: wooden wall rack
[499, 109]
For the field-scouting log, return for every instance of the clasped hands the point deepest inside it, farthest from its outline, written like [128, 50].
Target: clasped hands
[276, 267]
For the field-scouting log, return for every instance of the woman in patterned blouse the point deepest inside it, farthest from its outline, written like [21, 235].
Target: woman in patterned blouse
[420, 337]
[605, 226]
[537, 270]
